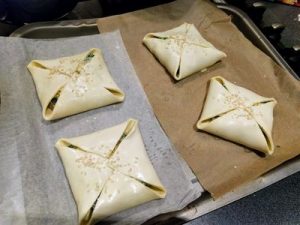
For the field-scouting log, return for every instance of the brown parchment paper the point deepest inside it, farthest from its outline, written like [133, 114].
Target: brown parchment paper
[220, 165]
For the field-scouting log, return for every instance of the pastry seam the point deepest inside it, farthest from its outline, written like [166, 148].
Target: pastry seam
[268, 140]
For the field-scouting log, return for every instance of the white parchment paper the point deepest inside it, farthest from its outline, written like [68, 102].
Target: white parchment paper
[33, 186]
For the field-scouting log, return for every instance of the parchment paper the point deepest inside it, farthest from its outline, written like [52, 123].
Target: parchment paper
[34, 188]
[220, 165]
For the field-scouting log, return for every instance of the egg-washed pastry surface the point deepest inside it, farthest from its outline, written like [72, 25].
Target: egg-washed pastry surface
[239, 115]
[182, 50]
[70, 85]
[109, 171]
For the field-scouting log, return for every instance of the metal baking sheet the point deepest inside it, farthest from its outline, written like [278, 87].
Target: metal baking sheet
[205, 204]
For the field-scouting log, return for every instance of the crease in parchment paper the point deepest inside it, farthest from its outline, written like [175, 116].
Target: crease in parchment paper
[29, 164]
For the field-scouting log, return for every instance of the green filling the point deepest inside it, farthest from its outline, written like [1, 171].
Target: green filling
[89, 57]
[73, 146]
[53, 101]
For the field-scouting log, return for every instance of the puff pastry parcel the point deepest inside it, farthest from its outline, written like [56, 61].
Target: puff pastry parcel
[74, 84]
[182, 50]
[239, 115]
[109, 171]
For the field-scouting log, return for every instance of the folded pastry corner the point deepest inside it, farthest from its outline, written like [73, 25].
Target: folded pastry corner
[70, 85]
[182, 50]
[239, 115]
[109, 171]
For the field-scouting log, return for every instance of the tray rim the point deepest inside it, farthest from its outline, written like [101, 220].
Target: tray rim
[91, 23]
[23, 30]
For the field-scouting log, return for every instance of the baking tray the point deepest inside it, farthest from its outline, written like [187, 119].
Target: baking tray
[205, 204]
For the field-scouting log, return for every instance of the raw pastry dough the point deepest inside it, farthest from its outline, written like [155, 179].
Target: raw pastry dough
[239, 115]
[182, 50]
[74, 84]
[109, 171]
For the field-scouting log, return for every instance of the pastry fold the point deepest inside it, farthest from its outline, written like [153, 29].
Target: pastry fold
[182, 50]
[70, 85]
[239, 115]
[109, 171]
